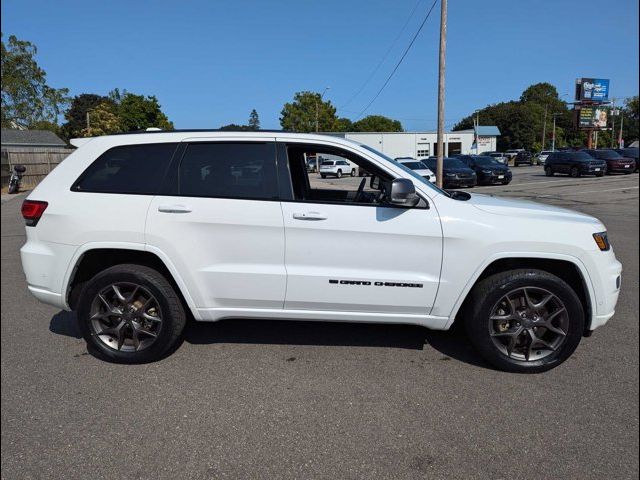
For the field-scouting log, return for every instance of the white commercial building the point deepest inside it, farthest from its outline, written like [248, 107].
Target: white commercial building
[425, 144]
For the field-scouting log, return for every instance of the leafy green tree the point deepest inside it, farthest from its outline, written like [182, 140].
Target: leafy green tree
[377, 123]
[254, 120]
[137, 112]
[308, 113]
[631, 124]
[76, 116]
[103, 120]
[26, 97]
[233, 127]
[343, 125]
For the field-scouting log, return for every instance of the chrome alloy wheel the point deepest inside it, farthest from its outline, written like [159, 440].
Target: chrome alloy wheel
[126, 317]
[528, 324]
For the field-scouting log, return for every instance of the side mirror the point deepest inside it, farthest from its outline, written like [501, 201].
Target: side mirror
[403, 193]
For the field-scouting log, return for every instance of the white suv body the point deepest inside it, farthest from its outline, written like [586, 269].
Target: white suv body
[336, 168]
[268, 253]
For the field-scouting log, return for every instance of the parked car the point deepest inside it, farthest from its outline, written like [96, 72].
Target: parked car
[455, 174]
[542, 156]
[233, 229]
[616, 163]
[312, 165]
[488, 170]
[511, 154]
[522, 158]
[499, 156]
[574, 164]
[417, 166]
[336, 168]
[630, 152]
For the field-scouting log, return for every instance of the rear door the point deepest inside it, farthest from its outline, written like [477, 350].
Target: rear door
[220, 223]
[357, 256]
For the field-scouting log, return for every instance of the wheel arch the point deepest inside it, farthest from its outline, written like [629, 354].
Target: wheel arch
[91, 260]
[569, 269]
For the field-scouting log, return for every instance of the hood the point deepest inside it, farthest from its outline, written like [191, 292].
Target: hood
[525, 208]
[459, 170]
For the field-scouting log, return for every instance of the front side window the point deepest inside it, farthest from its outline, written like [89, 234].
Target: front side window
[134, 169]
[229, 170]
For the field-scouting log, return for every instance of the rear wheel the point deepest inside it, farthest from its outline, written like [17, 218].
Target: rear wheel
[13, 188]
[339, 174]
[526, 321]
[548, 171]
[130, 314]
[323, 175]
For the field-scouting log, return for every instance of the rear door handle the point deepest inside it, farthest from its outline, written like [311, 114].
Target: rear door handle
[174, 209]
[313, 216]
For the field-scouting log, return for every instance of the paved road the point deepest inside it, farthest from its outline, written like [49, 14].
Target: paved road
[268, 399]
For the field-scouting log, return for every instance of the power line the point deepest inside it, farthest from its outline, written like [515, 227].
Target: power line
[375, 70]
[401, 59]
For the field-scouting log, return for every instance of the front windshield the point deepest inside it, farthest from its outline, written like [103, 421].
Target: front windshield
[486, 161]
[447, 163]
[420, 179]
[606, 155]
[414, 165]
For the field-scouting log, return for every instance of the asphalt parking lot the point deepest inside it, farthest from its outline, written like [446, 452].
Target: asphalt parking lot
[270, 399]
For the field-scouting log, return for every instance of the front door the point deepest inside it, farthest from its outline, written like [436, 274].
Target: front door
[348, 251]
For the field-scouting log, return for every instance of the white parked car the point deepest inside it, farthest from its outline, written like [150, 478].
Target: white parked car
[417, 166]
[542, 156]
[336, 168]
[134, 231]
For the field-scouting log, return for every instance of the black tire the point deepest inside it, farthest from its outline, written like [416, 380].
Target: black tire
[574, 172]
[353, 172]
[339, 174]
[548, 171]
[600, 174]
[487, 293]
[323, 175]
[13, 188]
[173, 314]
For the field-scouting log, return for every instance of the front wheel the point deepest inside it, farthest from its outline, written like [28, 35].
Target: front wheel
[525, 320]
[130, 314]
[548, 171]
[322, 175]
[353, 172]
[575, 172]
[13, 188]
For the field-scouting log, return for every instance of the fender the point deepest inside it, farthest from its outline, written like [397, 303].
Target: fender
[508, 255]
[84, 248]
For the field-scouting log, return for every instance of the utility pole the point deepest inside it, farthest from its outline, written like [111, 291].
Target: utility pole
[441, 71]
[544, 127]
[553, 141]
[317, 113]
[620, 139]
[613, 123]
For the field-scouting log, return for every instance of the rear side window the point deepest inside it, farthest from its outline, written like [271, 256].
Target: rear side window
[229, 170]
[135, 169]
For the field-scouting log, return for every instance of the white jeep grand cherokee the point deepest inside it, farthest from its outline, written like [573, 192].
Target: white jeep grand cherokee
[135, 231]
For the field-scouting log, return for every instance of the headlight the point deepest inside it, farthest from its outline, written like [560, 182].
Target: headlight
[449, 174]
[602, 240]
[488, 172]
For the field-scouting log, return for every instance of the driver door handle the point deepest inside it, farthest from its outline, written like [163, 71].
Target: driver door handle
[174, 209]
[313, 216]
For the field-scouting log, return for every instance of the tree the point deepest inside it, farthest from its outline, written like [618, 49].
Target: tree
[233, 127]
[76, 116]
[308, 113]
[137, 112]
[26, 97]
[631, 125]
[103, 120]
[254, 120]
[343, 125]
[377, 123]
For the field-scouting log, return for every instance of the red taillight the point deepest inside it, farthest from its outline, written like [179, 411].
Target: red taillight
[32, 210]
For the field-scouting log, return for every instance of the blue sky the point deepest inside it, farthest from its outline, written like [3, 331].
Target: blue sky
[210, 62]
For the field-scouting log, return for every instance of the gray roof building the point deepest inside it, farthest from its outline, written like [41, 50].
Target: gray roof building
[31, 139]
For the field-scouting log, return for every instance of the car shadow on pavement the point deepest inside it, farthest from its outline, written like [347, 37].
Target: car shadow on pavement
[451, 344]
[65, 323]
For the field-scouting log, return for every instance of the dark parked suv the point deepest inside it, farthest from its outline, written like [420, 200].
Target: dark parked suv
[574, 164]
[488, 169]
[455, 173]
[523, 158]
[615, 161]
[630, 152]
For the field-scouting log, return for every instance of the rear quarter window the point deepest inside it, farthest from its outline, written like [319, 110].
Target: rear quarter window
[134, 169]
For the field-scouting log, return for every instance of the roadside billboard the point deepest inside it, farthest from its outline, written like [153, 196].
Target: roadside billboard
[592, 117]
[592, 89]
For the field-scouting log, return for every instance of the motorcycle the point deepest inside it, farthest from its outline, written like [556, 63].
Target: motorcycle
[16, 178]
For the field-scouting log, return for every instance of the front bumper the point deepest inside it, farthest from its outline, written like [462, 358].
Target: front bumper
[460, 182]
[622, 167]
[606, 279]
[495, 177]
